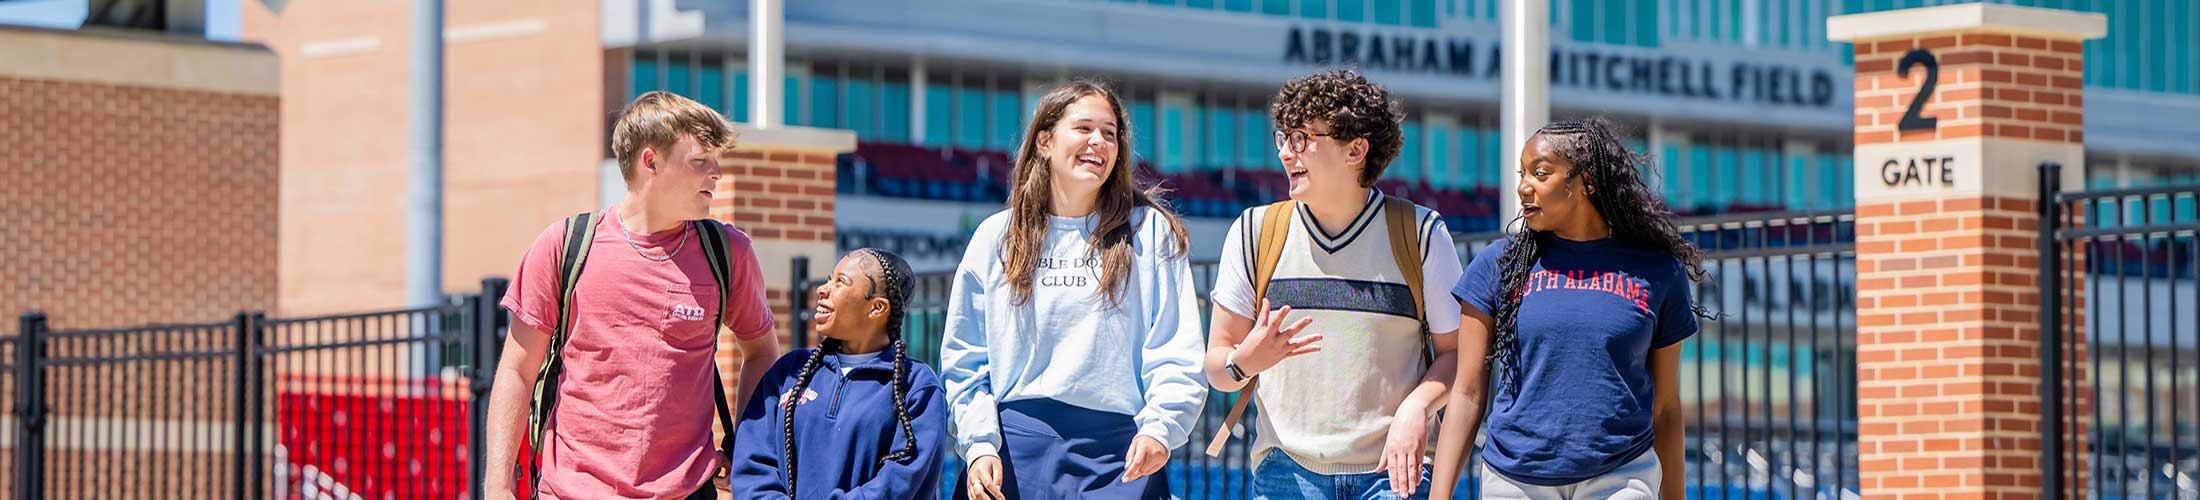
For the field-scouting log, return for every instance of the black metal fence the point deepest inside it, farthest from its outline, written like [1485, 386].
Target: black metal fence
[387, 403]
[374, 405]
[1769, 389]
[2119, 274]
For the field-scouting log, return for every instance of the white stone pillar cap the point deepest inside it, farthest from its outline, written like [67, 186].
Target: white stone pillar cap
[2052, 23]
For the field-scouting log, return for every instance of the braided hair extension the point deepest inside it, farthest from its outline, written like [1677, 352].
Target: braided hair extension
[895, 274]
[1613, 175]
[794, 397]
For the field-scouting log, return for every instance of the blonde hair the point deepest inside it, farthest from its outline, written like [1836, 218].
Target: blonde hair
[657, 120]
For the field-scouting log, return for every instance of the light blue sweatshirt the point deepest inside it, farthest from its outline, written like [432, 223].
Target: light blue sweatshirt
[1140, 358]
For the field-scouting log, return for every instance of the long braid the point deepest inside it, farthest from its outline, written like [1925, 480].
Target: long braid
[908, 449]
[793, 398]
[894, 274]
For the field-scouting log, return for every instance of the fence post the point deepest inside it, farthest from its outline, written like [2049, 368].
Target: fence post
[240, 403]
[259, 404]
[486, 349]
[797, 300]
[30, 406]
[2051, 334]
[253, 338]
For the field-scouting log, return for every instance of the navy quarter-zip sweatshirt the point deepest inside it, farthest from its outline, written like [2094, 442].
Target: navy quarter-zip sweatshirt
[843, 425]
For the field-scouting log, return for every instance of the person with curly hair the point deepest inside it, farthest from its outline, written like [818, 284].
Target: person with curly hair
[1581, 311]
[1320, 297]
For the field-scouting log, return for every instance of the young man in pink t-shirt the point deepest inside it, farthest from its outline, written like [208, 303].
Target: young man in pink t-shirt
[634, 411]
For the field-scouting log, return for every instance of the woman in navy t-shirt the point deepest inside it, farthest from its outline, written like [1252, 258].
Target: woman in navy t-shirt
[1578, 316]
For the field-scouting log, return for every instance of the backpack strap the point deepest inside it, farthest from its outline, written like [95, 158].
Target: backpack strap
[1405, 249]
[1275, 228]
[714, 245]
[580, 230]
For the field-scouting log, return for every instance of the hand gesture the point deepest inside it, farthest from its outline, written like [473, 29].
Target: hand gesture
[1271, 342]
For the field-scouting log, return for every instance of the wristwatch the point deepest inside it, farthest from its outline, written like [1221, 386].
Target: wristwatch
[1230, 364]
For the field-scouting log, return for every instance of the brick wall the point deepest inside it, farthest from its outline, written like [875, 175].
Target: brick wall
[778, 195]
[782, 199]
[524, 139]
[1990, 85]
[1948, 334]
[778, 187]
[129, 203]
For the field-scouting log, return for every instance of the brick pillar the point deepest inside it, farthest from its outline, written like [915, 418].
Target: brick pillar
[1948, 328]
[778, 187]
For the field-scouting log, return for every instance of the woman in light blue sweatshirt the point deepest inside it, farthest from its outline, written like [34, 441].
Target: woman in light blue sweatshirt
[1072, 348]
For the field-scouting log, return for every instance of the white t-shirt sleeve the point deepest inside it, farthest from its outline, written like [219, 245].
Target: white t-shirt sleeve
[1234, 274]
[1439, 272]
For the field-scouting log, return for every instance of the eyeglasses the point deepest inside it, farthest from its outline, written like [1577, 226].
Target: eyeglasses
[1295, 141]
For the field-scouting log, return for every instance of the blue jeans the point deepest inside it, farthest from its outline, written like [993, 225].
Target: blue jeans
[1279, 477]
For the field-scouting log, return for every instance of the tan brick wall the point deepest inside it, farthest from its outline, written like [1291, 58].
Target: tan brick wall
[781, 198]
[524, 134]
[128, 204]
[778, 195]
[1990, 84]
[1947, 350]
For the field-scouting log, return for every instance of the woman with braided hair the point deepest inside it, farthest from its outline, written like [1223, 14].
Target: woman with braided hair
[872, 422]
[1580, 313]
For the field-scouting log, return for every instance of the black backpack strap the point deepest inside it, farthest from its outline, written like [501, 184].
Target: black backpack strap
[580, 231]
[714, 245]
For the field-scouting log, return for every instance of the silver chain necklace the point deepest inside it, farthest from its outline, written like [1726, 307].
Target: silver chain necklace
[629, 237]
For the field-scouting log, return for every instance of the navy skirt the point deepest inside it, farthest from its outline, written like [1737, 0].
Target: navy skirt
[1054, 451]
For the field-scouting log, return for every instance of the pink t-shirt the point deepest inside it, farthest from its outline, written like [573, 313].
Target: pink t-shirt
[633, 417]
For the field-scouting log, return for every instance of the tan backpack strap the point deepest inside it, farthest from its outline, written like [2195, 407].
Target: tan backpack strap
[1405, 248]
[1237, 411]
[1275, 228]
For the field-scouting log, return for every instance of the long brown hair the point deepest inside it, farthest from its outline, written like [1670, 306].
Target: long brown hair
[1031, 193]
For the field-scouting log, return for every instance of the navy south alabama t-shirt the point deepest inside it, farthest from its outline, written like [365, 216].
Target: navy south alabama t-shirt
[1590, 314]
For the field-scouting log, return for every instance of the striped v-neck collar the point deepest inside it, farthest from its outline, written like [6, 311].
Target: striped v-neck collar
[1351, 232]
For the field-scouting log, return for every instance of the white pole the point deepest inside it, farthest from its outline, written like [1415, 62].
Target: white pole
[767, 63]
[424, 187]
[1526, 103]
[917, 92]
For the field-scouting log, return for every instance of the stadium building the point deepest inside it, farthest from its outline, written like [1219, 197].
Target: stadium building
[1744, 102]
